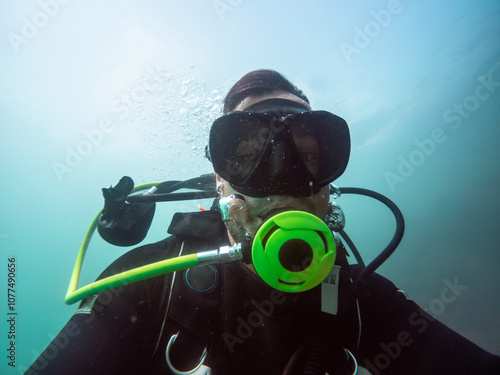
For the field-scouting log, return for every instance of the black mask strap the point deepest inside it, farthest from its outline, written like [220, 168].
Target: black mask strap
[277, 107]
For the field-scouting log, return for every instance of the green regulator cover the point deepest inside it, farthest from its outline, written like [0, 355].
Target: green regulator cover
[293, 251]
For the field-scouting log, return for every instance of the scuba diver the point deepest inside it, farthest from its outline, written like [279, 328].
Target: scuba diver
[268, 289]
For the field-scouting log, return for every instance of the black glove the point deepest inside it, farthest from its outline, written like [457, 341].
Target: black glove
[122, 223]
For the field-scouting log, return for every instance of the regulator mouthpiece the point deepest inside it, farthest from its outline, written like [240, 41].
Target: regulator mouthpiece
[293, 251]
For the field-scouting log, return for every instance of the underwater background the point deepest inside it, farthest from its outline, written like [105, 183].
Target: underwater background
[91, 91]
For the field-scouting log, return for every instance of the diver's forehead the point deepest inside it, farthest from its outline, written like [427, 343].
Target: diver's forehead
[251, 100]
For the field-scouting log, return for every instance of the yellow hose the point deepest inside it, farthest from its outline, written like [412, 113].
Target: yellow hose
[127, 277]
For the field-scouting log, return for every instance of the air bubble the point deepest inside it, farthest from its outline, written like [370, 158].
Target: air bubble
[334, 191]
[180, 109]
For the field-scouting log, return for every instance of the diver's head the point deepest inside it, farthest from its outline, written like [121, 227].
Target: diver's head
[272, 153]
[258, 84]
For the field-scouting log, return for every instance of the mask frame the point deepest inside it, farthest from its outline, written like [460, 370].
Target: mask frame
[261, 154]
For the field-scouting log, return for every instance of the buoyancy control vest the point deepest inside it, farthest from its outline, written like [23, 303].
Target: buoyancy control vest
[242, 324]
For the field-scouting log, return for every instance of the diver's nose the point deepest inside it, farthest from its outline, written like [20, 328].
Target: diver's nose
[286, 170]
[288, 176]
[281, 160]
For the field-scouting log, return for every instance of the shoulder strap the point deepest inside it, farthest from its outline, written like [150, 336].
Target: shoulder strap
[191, 309]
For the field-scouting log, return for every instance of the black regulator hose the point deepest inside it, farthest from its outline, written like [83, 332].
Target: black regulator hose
[396, 239]
[171, 197]
[165, 194]
[353, 248]
[165, 191]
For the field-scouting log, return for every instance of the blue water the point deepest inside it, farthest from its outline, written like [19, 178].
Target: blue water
[91, 91]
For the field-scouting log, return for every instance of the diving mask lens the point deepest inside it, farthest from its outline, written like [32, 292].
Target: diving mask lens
[261, 155]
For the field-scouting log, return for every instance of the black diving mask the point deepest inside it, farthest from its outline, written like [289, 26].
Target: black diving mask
[279, 147]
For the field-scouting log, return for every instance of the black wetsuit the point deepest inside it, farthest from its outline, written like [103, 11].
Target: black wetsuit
[248, 327]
